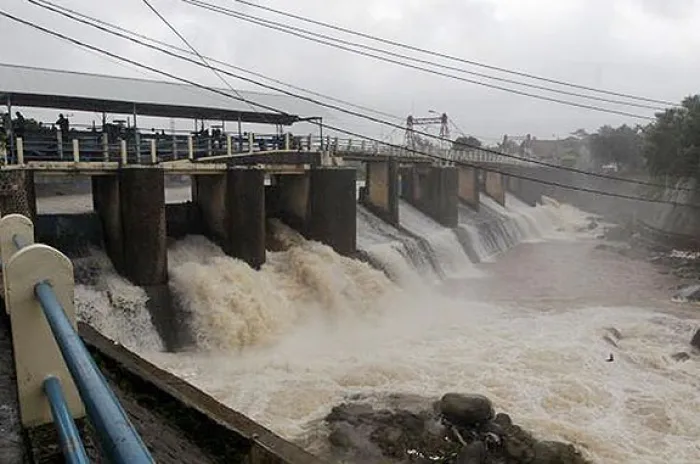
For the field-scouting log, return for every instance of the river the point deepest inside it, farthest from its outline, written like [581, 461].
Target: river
[526, 326]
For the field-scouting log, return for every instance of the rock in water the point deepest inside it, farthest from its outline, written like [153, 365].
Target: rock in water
[473, 453]
[696, 340]
[680, 356]
[554, 452]
[466, 410]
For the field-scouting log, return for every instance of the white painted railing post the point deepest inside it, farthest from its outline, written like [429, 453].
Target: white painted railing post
[122, 147]
[36, 351]
[251, 142]
[59, 141]
[105, 147]
[76, 151]
[287, 141]
[154, 152]
[229, 145]
[20, 151]
[190, 148]
[11, 225]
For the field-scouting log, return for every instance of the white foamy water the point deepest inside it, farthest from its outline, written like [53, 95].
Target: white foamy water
[445, 247]
[233, 306]
[403, 258]
[114, 306]
[547, 370]
[285, 344]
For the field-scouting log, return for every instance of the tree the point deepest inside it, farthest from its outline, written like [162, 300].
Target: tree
[672, 142]
[464, 143]
[621, 146]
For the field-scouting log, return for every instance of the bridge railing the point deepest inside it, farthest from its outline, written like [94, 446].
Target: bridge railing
[147, 148]
[156, 148]
[57, 379]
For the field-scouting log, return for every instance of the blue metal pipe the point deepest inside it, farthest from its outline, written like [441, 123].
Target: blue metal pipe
[118, 438]
[71, 444]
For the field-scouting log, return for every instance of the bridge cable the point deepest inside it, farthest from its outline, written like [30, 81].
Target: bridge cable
[287, 30]
[214, 60]
[367, 117]
[194, 50]
[379, 121]
[365, 137]
[258, 20]
[453, 58]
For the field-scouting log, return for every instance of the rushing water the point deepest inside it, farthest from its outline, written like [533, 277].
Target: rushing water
[528, 327]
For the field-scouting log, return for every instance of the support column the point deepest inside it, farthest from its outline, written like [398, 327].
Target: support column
[17, 194]
[332, 209]
[209, 194]
[381, 194]
[468, 189]
[245, 215]
[526, 190]
[107, 205]
[434, 191]
[142, 198]
[494, 186]
[290, 200]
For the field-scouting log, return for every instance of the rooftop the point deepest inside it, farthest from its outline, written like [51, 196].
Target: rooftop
[69, 90]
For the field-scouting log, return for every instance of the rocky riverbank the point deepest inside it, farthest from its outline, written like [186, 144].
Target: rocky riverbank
[455, 429]
[628, 240]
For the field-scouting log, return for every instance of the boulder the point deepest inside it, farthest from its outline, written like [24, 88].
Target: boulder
[680, 356]
[695, 342]
[554, 452]
[473, 453]
[466, 410]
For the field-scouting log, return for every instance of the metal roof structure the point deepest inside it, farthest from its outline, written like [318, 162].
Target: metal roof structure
[69, 90]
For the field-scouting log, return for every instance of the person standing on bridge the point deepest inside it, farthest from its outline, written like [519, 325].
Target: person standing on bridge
[19, 125]
[63, 125]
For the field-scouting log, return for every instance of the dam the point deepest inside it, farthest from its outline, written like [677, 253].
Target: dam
[421, 280]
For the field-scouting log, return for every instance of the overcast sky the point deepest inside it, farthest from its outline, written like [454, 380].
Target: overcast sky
[644, 47]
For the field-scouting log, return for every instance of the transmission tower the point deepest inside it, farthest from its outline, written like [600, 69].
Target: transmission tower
[412, 138]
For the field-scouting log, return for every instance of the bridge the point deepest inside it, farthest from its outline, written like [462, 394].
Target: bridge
[239, 180]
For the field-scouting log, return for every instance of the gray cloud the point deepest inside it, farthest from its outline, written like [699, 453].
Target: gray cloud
[647, 48]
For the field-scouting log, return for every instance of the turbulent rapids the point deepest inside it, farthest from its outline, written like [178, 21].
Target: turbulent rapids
[516, 304]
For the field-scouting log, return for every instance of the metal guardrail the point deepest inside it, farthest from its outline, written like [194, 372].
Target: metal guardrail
[152, 149]
[59, 380]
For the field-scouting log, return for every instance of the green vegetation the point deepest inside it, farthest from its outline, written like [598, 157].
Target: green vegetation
[667, 147]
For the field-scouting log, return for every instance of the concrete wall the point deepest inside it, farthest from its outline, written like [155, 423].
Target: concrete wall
[494, 186]
[434, 191]
[468, 186]
[381, 194]
[17, 193]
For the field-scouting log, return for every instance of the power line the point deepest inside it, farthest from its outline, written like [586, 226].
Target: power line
[371, 139]
[133, 62]
[454, 58]
[194, 50]
[202, 4]
[211, 59]
[367, 117]
[287, 30]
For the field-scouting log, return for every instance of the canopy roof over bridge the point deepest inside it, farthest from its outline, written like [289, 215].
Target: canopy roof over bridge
[50, 88]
